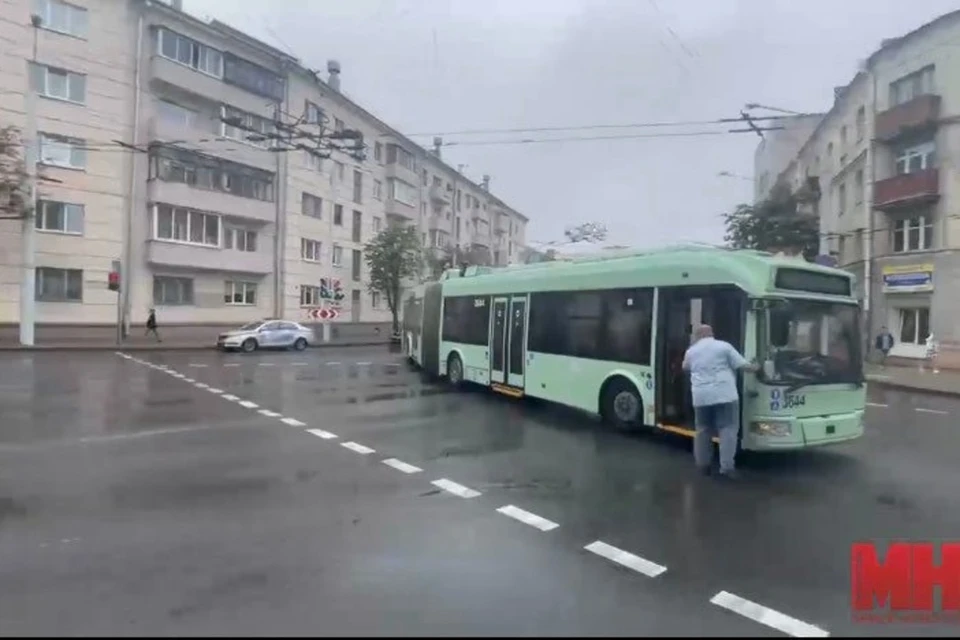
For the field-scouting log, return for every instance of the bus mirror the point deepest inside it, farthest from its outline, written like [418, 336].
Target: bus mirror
[779, 328]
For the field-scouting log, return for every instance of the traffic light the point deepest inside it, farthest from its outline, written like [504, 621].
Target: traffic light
[113, 281]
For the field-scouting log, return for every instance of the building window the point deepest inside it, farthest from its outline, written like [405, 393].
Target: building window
[398, 155]
[310, 250]
[63, 152]
[246, 127]
[62, 17]
[337, 255]
[174, 114]
[357, 266]
[169, 291]
[59, 84]
[338, 125]
[376, 225]
[252, 77]
[240, 293]
[176, 224]
[378, 152]
[401, 191]
[313, 114]
[912, 86]
[861, 122]
[313, 161]
[912, 234]
[374, 300]
[311, 206]
[357, 187]
[59, 217]
[190, 53]
[378, 190]
[340, 170]
[338, 215]
[240, 240]
[215, 174]
[858, 186]
[914, 325]
[58, 285]
[916, 158]
[309, 295]
[841, 198]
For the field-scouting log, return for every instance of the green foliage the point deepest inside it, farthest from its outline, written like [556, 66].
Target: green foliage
[393, 256]
[14, 188]
[773, 225]
[439, 260]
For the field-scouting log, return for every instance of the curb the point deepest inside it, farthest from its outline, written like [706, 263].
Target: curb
[162, 347]
[901, 386]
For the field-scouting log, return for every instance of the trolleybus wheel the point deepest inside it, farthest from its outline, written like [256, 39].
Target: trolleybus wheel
[455, 370]
[621, 404]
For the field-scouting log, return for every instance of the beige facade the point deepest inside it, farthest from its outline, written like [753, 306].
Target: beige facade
[882, 167]
[149, 158]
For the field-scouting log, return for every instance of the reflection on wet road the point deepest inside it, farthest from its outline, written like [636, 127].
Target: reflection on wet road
[341, 492]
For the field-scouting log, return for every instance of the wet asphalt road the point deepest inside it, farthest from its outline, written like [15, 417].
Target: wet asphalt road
[135, 500]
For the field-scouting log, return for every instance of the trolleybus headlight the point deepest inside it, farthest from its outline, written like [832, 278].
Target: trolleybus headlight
[771, 428]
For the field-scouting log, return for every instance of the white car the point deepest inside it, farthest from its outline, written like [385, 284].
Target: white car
[267, 334]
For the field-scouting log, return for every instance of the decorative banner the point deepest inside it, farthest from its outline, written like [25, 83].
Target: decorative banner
[908, 278]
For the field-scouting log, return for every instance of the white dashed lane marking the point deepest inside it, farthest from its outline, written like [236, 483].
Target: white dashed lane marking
[232, 364]
[266, 364]
[320, 433]
[333, 364]
[249, 405]
[877, 404]
[456, 489]
[268, 413]
[215, 390]
[625, 558]
[200, 385]
[230, 397]
[400, 465]
[299, 364]
[767, 616]
[293, 422]
[363, 364]
[935, 411]
[197, 364]
[527, 518]
[357, 448]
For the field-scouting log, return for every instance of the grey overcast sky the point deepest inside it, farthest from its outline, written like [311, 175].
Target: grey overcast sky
[429, 66]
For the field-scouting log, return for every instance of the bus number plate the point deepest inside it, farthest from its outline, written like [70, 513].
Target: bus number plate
[780, 401]
[791, 401]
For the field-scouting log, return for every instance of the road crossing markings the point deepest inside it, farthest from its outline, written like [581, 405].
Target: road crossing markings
[293, 422]
[268, 413]
[357, 448]
[196, 364]
[230, 397]
[400, 465]
[248, 405]
[767, 616]
[934, 411]
[877, 404]
[215, 390]
[528, 518]
[456, 489]
[626, 559]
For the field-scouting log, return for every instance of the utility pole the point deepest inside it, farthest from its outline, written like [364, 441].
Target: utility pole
[28, 236]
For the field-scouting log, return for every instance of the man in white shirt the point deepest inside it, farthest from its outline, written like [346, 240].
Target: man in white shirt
[713, 365]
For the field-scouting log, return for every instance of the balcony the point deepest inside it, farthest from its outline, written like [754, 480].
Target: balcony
[160, 130]
[400, 172]
[439, 223]
[921, 113]
[182, 195]
[439, 195]
[198, 258]
[908, 189]
[396, 209]
[205, 85]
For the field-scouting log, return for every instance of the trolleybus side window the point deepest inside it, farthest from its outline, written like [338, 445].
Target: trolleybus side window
[466, 319]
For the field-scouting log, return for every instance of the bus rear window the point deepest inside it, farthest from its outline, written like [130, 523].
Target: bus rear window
[812, 281]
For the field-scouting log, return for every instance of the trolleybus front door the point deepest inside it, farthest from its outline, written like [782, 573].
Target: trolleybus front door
[498, 342]
[516, 340]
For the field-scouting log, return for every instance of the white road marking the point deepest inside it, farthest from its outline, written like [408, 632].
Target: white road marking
[200, 385]
[358, 448]
[268, 413]
[293, 422]
[625, 558]
[936, 411]
[320, 433]
[266, 364]
[333, 364]
[177, 375]
[766, 616]
[363, 364]
[876, 404]
[230, 397]
[299, 364]
[232, 364]
[215, 390]
[249, 405]
[196, 364]
[527, 518]
[400, 465]
[456, 489]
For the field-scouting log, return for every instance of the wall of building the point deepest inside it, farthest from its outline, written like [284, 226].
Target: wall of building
[778, 148]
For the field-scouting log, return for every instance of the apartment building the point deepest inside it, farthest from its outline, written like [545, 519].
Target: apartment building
[159, 152]
[778, 149]
[880, 170]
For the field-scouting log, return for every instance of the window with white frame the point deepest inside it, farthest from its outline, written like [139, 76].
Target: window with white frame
[841, 199]
[912, 234]
[246, 127]
[916, 158]
[861, 122]
[309, 295]
[62, 17]
[374, 299]
[59, 217]
[914, 325]
[59, 84]
[377, 189]
[310, 250]
[338, 215]
[377, 225]
[239, 293]
[176, 224]
[337, 255]
[174, 114]
[912, 86]
[402, 192]
[252, 77]
[378, 152]
[313, 114]
[340, 169]
[398, 155]
[58, 285]
[172, 291]
[190, 53]
[311, 205]
[215, 174]
[239, 239]
[63, 152]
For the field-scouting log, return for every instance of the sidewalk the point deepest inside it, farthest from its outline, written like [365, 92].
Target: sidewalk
[947, 382]
[151, 345]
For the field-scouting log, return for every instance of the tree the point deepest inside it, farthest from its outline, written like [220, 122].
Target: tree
[14, 187]
[393, 256]
[774, 225]
[439, 260]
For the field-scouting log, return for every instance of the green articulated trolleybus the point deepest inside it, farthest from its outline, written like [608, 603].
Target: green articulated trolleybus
[607, 334]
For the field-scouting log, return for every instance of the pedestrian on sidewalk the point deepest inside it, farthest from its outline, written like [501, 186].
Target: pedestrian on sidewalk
[884, 344]
[712, 365]
[930, 357]
[152, 325]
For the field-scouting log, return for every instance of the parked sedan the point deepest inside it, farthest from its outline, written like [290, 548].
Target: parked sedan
[267, 334]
